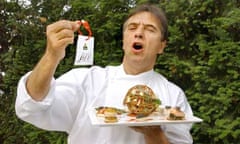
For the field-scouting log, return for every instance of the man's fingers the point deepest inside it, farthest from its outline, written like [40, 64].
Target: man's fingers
[63, 24]
[66, 41]
[58, 26]
[61, 44]
[137, 128]
[59, 35]
[62, 29]
[75, 25]
[64, 33]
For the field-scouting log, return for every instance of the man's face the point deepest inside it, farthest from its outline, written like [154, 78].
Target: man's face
[142, 39]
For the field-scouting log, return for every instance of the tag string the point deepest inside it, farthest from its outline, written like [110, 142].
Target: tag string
[86, 26]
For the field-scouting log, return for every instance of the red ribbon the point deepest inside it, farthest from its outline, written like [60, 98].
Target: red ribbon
[86, 26]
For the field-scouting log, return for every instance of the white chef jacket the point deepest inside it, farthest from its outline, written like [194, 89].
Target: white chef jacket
[74, 93]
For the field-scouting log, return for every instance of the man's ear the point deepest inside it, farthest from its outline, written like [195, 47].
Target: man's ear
[162, 46]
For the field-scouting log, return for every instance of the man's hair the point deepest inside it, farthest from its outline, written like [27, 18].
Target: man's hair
[157, 12]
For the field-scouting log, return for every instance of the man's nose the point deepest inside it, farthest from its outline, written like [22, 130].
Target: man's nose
[139, 33]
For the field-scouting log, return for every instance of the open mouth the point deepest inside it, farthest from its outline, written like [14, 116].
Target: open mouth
[137, 46]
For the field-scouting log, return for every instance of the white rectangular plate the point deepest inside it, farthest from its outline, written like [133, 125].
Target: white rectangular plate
[124, 120]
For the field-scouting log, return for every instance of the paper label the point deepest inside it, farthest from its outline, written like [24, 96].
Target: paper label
[85, 51]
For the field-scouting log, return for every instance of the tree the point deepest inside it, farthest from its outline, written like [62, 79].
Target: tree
[23, 34]
[28, 45]
[202, 57]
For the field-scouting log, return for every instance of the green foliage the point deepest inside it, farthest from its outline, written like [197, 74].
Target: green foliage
[202, 57]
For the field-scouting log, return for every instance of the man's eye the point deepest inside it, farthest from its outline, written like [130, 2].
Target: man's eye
[132, 27]
[150, 29]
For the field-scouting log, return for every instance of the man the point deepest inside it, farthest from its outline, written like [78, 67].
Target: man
[62, 104]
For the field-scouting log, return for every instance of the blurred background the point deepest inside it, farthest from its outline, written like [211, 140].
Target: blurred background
[202, 57]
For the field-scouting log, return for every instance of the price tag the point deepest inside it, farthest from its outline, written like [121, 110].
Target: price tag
[85, 46]
[85, 50]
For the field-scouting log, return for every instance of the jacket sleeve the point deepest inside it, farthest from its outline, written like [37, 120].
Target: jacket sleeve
[57, 111]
